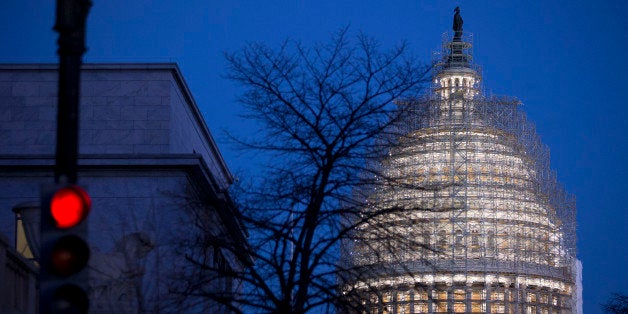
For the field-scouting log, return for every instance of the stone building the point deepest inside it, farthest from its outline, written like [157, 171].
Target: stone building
[150, 165]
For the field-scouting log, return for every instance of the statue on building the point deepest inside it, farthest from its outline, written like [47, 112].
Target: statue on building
[457, 25]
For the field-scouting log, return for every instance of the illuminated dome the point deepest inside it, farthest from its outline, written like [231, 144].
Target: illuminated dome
[496, 230]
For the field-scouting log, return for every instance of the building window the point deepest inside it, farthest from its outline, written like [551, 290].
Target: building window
[442, 240]
[374, 299]
[459, 237]
[459, 295]
[478, 294]
[387, 297]
[518, 242]
[420, 307]
[21, 244]
[440, 306]
[26, 226]
[497, 295]
[403, 296]
[460, 307]
[388, 309]
[220, 263]
[475, 241]
[478, 307]
[403, 309]
[420, 295]
[498, 308]
[491, 241]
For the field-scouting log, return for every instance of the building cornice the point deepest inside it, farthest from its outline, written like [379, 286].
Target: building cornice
[171, 67]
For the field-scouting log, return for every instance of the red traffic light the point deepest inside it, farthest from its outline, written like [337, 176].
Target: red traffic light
[69, 206]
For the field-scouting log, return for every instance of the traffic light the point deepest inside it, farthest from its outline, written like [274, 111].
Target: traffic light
[64, 251]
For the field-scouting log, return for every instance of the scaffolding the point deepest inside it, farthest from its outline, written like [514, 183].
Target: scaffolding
[494, 230]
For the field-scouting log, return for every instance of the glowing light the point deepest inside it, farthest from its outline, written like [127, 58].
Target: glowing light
[69, 206]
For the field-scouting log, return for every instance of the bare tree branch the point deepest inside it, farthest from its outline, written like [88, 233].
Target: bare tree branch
[325, 113]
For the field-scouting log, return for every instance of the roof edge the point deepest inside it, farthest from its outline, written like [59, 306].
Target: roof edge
[94, 66]
[171, 67]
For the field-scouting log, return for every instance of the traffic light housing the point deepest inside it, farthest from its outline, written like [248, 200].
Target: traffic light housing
[64, 249]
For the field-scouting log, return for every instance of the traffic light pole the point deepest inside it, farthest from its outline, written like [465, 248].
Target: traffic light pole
[71, 16]
[63, 275]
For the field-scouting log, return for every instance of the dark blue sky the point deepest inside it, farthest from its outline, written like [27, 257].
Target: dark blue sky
[566, 60]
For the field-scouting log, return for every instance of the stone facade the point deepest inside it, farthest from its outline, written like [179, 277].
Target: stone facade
[19, 281]
[145, 152]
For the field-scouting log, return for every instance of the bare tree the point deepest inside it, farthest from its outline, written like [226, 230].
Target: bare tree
[324, 113]
[616, 304]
